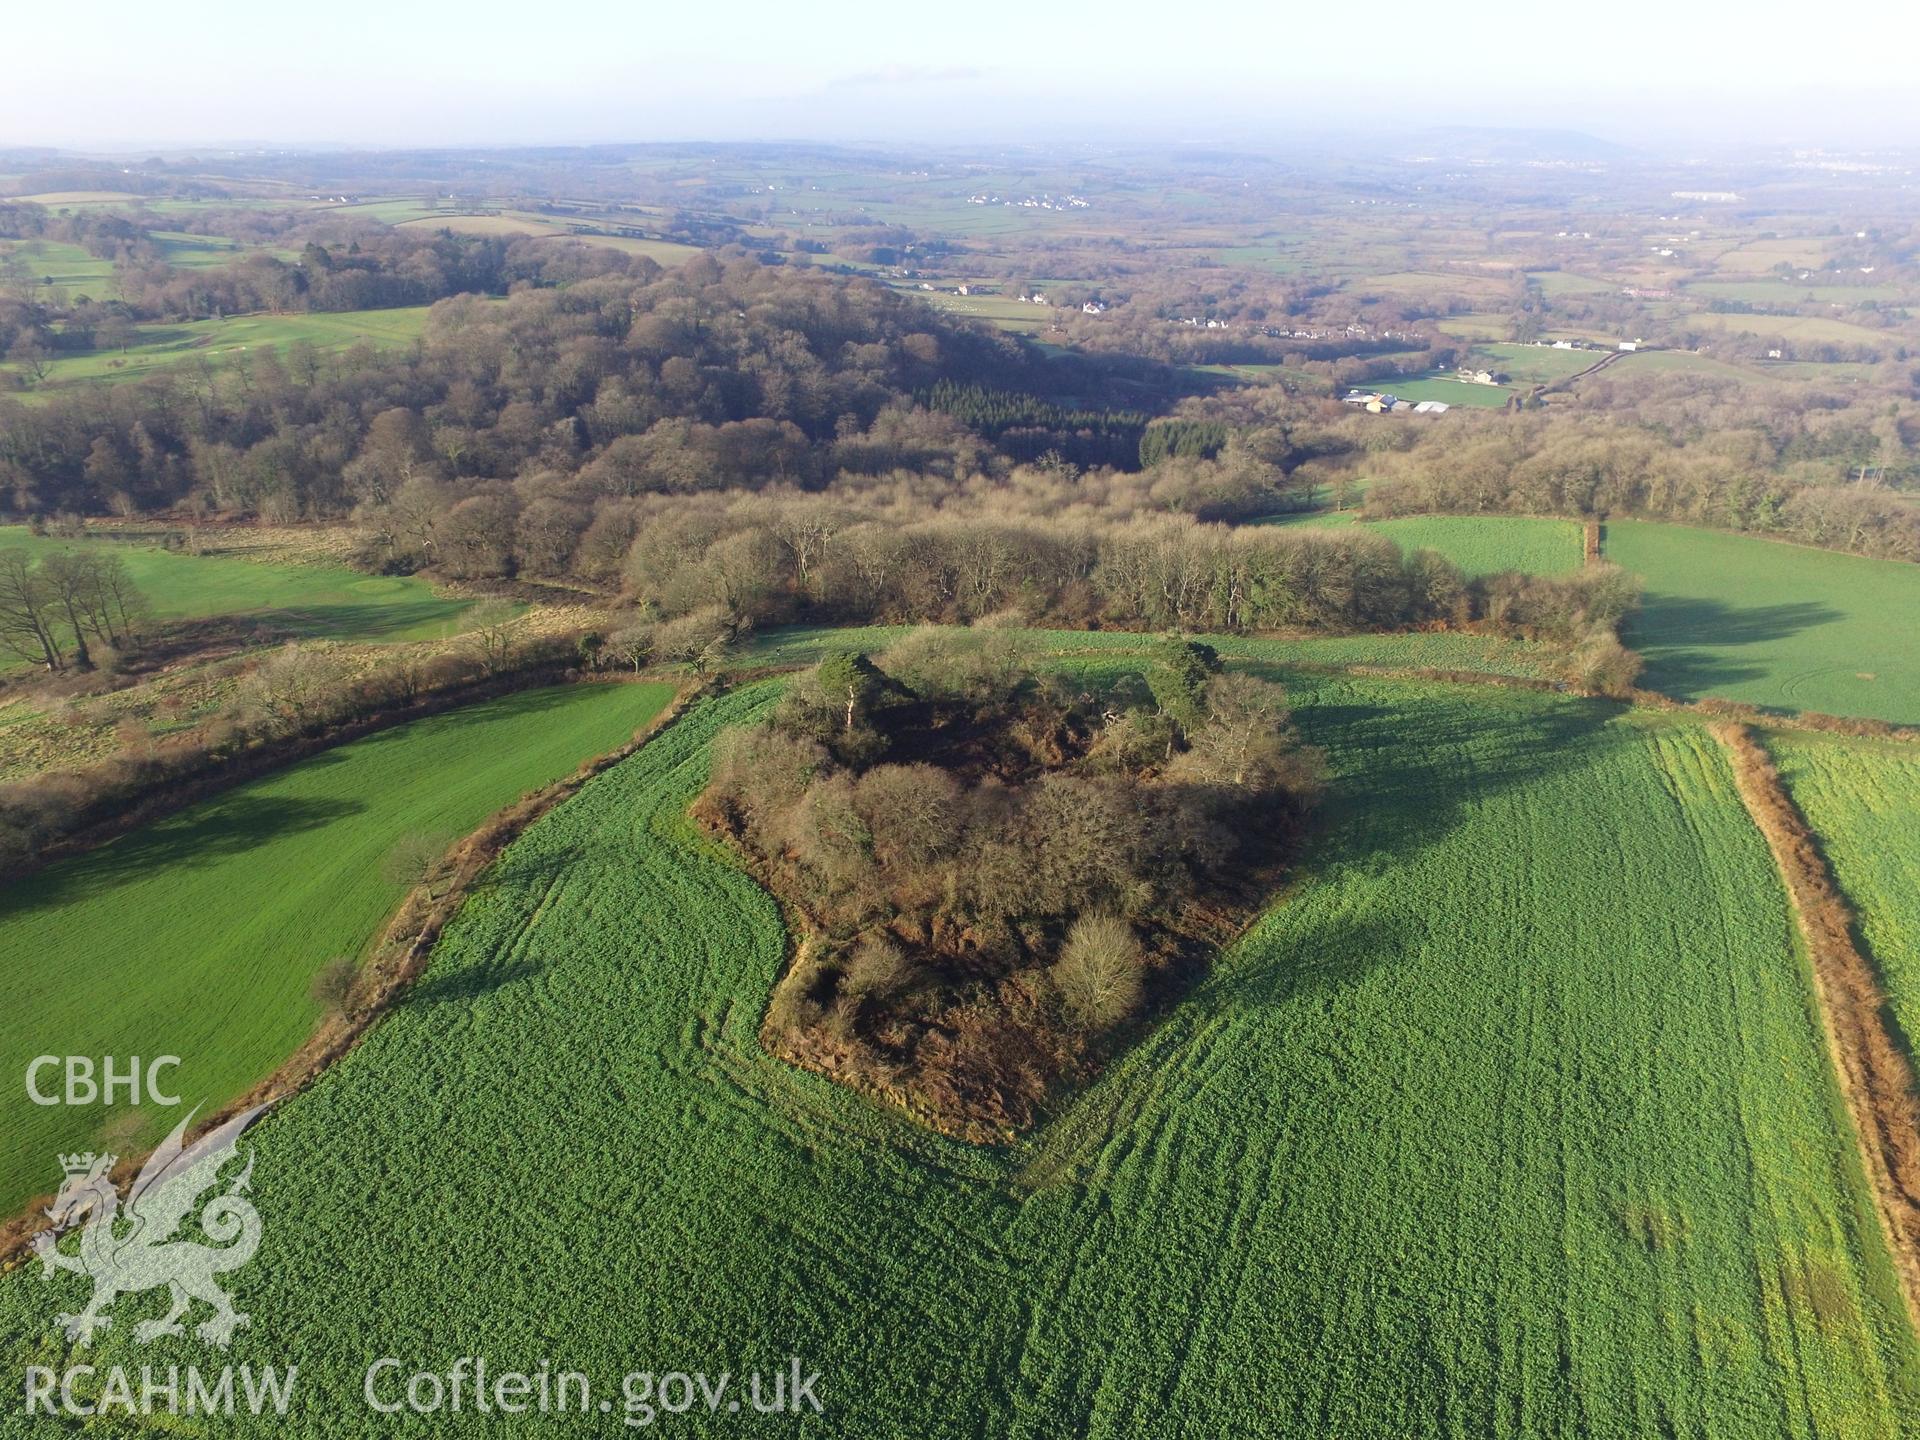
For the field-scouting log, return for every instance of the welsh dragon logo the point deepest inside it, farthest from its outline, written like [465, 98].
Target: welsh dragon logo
[126, 1251]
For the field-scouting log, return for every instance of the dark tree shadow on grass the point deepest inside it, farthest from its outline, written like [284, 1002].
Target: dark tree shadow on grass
[1691, 643]
[229, 826]
[458, 986]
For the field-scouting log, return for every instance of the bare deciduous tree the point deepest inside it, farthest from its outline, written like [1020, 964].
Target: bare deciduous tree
[1101, 970]
[494, 636]
[418, 859]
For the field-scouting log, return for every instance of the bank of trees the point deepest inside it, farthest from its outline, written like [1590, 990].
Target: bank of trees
[747, 436]
[769, 560]
[59, 608]
[1708, 461]
[994, 865]
[538, 386]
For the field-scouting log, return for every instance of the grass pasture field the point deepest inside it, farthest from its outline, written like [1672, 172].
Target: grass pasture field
[668, 253]
[1568, 282]
[1454, 392]
[1861, 797]
[1554, 1152]
[1680, 362]
[1795, 292]
[1779, 625]
[196, 936]
[200, 252]
[1478, 544]
[1487, 544]
[1292, 377]
[1489, 327]
[1811, 329]
[393, 210]
[55, 198]
[1756, 257]
[317, 601]
[1430, 284]
[482, 225]
[1536, 364]
[515, 223]
[160, 346]
[1005, 312]
[67, 267]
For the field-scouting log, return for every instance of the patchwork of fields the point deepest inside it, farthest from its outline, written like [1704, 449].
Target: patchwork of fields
[197, 936]
[1552, 1152]
[1772, 624]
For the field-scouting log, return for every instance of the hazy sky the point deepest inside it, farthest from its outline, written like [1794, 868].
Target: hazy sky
[121, 74]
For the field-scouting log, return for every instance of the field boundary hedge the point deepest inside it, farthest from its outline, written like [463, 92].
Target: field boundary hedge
[1875, 1073]
[399, 958]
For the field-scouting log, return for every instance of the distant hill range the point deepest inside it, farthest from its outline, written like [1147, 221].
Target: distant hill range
[1486, 142]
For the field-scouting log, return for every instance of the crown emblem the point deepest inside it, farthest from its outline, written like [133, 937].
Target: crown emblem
[85, 1162]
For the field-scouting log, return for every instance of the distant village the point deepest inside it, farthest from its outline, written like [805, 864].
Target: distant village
[1034, 202]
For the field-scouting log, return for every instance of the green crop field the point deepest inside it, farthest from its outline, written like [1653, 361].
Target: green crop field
[197, 936]
[1771, 624]
[1496, 1127]
[1862, 797]
[222, 341]
[319, 601]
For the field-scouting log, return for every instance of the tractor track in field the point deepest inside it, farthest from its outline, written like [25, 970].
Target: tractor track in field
[1876, 1076]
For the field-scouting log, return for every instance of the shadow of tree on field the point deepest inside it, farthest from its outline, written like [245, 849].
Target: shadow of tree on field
[1397, 784]
[1404, 777]
[231, 825]
[467, 982]
[1329, 956]
[1695, 619]
[355, 618]
[174, 638]
[1687, 639]
[529, 872]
